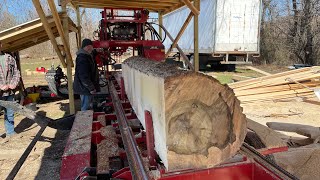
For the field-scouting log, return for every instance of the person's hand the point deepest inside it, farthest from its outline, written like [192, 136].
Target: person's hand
[5, 87]
[93, 92]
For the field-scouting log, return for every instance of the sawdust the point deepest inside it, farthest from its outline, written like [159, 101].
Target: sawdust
[106, 149]
[303, 162]
[158, 69]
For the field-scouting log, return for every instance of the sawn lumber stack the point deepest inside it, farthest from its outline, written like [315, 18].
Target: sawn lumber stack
[198, 122]
[278, 87]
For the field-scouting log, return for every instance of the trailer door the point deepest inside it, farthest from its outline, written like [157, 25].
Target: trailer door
[237, 26]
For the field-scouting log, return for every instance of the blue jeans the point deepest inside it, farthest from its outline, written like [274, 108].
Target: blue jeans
[8, 116]
[86, 102]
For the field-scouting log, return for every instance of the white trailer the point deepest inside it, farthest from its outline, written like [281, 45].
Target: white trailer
[229, 31]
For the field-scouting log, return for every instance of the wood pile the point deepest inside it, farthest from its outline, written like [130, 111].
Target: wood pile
[278, 87]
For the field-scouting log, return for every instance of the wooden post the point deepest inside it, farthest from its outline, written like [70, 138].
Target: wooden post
[69, 63]
[79, 26]
[196, 36]
[47, 28]
[183, 28]
[160, 18]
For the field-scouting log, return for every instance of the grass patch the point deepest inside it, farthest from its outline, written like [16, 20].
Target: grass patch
[224, 79]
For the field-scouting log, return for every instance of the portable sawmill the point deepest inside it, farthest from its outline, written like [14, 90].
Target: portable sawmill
[155, 120]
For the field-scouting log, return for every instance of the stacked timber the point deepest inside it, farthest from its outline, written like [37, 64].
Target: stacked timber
[197, 121]
[278, 87]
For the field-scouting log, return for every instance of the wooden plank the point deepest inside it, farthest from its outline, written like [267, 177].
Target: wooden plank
[246, 82]
[176, 100]
[80, 135]
[79, 27]
[258, 70]
[269, 137]
[69, 59]
[160, 15]
[196, 36]
[272, 89]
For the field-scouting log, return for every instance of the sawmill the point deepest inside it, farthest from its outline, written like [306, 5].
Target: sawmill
[157, 117]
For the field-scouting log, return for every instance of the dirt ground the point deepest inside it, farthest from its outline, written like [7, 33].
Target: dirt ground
[44, 160]
[295, 111]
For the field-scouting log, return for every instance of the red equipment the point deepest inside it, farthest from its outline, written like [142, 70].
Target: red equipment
[249, 164]
[117, 33]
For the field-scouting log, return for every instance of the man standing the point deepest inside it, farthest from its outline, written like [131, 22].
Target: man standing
[86, 80]
[9, 80]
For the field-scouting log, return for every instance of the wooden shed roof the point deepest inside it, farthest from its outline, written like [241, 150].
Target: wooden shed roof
[164, 6]
[29, 34]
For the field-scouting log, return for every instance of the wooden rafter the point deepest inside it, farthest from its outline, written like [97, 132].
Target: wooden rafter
[23, 36]
[183, 28]
[151, 5]
[60, 30]
[47, 28]
[194, 10]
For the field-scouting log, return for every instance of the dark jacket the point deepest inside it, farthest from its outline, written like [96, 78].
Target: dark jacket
[86, 77]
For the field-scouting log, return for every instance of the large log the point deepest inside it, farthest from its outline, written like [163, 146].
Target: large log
[198, 122]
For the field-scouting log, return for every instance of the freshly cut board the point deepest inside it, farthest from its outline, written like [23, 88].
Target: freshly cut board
[198, 122]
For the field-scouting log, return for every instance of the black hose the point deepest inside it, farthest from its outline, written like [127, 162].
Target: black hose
[156, 33]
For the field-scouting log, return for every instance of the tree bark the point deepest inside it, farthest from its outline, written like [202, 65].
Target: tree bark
[198, 122]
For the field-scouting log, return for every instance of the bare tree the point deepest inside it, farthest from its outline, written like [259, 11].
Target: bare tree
[290, 37]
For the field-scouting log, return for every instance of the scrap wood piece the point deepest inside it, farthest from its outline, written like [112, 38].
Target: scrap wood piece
[303, 162]
[269, 137]
[258, 70]
[305, 130]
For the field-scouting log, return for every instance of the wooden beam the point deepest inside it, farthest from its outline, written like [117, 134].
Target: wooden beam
[185, 58]
[69, 62]
[269, 137]
[183, 28]
[160, 18]
[196, 36]
[47, 28]
[63, 34]
[78, 26]
[127, 4]
[193, 7]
